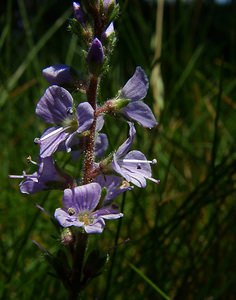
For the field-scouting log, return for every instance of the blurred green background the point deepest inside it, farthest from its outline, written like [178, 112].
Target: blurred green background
[177, 238]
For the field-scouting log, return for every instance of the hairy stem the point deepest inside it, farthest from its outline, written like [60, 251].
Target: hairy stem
[79, 248]
[90, 143]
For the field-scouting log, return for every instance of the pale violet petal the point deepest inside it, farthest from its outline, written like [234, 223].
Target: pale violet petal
[136, 87]
[141, 113]
[54, 105]
[85, 116]
[65, 220]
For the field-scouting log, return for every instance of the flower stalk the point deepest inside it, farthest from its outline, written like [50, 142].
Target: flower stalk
[90, 142]
[88, 199]
[78, 250]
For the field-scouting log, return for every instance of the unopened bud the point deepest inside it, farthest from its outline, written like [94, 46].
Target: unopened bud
[67, 236]
[59, 74]
[78, 13]
[95, 57]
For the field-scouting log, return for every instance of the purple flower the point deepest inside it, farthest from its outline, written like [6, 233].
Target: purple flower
[133, 165]
[80, 209]
[114, 186]
[134, 91]
[77, 143]
[47, 177]
[56, 107]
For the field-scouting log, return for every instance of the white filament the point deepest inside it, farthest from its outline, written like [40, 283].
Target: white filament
[152, 162]
[60, 129]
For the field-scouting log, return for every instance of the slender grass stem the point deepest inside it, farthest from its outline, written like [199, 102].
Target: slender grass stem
[113, 258]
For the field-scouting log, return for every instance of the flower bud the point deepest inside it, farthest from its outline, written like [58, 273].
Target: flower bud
[108, 3]
[110, 9]
[59, 74]
[109, 31]
[95, 57]
[66, 236]
[78, 13]
[118, 104]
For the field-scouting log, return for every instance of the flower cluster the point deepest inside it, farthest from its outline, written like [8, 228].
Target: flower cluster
[76, 121]
[76, 129]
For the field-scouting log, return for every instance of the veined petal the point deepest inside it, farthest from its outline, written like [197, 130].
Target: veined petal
[143, 168]
[29, 186]
[114, 186]
[54, 105]
[108, 213]
[117, 168]
[65, 219]
[136, 87]
[124, 148]
[101, 144]
[47, 170]
[141, 113]
[85, 116]
[82, 198]
[100, 123]
[137, 179]
[51, 139]
[96, 227]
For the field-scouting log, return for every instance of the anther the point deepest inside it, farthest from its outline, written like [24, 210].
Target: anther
[70, 111]
[29, 160]
[37, 140]
[71, 211]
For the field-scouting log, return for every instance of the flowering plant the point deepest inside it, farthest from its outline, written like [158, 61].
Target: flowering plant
[76, 128]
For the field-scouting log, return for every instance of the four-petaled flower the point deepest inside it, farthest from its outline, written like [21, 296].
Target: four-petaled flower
[47, 177]
[133, 165]
[56, 107]
[80, 209]
[134, 91]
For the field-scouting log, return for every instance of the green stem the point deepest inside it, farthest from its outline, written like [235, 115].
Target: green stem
[78, 251]
[113, 257]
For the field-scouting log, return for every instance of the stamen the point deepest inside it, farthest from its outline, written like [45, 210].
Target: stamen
[29, 160]
[37, 140]
[16, 176]
[152, 162]
[24, 176]
[124, 184]
[71, 211]
[70, 111]
[86, 218]
[60, 129]
[157, 181]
